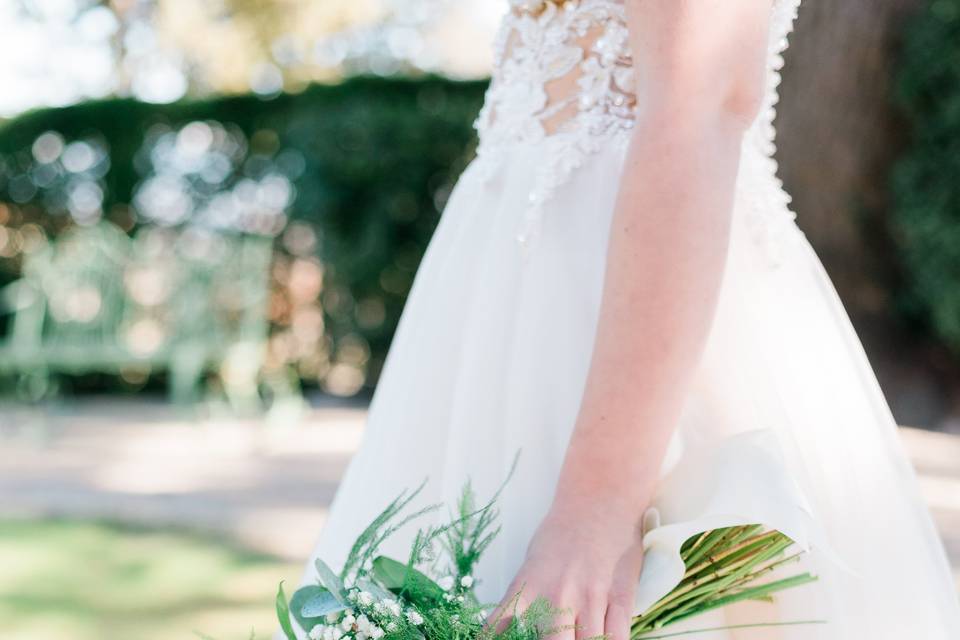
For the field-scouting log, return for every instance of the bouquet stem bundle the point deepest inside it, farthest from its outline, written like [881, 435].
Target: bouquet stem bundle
[724, 566]
[377, 597]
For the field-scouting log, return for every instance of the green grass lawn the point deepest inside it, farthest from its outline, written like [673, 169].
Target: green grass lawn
[96, 581]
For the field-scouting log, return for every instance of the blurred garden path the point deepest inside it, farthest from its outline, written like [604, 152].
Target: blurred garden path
[265, 484]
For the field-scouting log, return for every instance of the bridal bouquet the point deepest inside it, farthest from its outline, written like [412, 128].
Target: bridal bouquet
[377, 597]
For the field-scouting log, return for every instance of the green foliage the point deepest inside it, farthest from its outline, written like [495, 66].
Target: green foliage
[405, 603]
[310, 604]
[927, 192]
[396, 601]
[383, 526]
[283, 614]
[400, 578]
[371, 162]
[92, 581]
[468, 537]
[473, 530]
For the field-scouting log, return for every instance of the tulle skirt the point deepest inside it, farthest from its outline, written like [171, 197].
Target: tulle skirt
[785, 424]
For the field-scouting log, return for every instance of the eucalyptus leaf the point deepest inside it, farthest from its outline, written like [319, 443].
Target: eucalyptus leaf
[316, 602]
[375, 589]
[321, 604]
[311, 604]
[331, 581]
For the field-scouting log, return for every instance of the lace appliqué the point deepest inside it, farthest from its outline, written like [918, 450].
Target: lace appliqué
[563, 79]
[770, 218]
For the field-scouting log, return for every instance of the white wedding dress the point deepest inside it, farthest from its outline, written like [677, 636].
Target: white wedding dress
[785, 424]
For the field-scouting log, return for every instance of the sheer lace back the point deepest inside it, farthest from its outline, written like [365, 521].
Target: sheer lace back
[560, 66]
[564, 79]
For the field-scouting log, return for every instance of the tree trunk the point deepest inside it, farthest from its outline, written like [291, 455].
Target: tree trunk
[839, 135]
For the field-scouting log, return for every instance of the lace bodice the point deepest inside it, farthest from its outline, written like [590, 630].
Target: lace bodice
[563, 79]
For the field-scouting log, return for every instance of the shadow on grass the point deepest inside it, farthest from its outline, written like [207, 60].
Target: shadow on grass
[103, 580]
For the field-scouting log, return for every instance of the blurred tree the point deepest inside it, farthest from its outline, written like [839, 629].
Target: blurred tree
[927, 212]
[361, 168]
[840, 134]
[161, 50]
[253, 44]
[266, 45]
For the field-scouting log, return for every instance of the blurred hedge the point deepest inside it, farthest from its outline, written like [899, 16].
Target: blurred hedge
[927, 179]
[377, 159]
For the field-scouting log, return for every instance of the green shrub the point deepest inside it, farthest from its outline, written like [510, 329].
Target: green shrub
[369, 161]
[926, 218]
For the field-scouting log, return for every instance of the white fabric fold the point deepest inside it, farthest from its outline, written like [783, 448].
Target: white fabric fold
[739, 480]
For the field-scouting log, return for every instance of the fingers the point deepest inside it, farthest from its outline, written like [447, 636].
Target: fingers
[622, 590]
[599, 615]
[513, 605]
[566, 633]
[618, 618]
[604, 609]
[590, 621]
[521, 595]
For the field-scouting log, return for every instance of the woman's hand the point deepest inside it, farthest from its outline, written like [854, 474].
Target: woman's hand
[584, 560]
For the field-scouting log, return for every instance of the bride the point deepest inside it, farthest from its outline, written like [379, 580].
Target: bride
[617, 288]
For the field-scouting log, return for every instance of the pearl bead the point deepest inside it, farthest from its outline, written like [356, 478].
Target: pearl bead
[528, 6]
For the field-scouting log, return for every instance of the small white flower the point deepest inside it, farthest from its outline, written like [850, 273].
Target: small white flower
[348, 621]
[446, 583]
[363, 624]
[466, 582]
[414, 617]
[392, 607]
[365, 598]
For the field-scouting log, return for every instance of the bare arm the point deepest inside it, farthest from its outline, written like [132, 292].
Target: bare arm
[701, 66]
[704, 74]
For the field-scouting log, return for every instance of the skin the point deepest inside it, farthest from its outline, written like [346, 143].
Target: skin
[701, 64]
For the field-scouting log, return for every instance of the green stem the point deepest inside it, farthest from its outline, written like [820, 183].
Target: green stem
[755, 593]
[731, 628]
[674, 607]
[744, 548]
[707, 585]
[770, 568]
[698, 596]
[708, 544]
[692, 545]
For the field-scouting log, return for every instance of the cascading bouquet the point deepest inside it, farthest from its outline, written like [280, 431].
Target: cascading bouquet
[378, 597]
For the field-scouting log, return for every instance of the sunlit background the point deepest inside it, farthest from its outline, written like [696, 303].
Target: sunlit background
[60, 52]
[211, 214]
